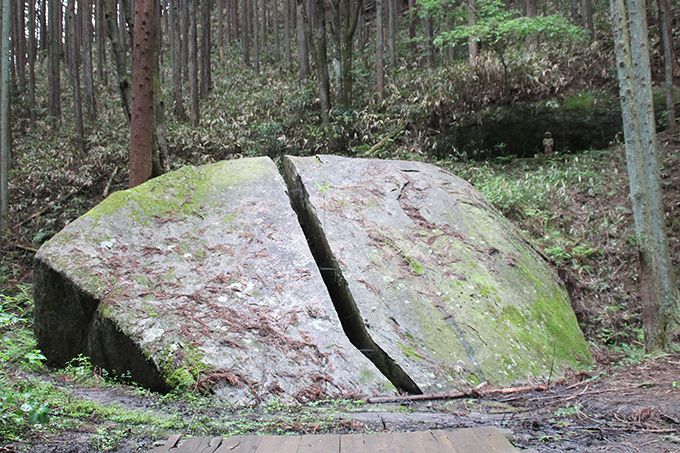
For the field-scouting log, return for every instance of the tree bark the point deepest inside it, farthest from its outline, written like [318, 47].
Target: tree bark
[392, 29]
[286, 34]
[85, 8]
[429, 30]
[193, 64]
[54, 60]
[143, 124]
[303, 52]
[32, 49]
[667, 44]
[179, 112]
[379, 50]
[220, 28]
[275, 29]
[110, 14]
[588, 22]
[206, 69]
[659, 293]
[254, 29]
[4, 120]
[184, 41]
[100, 37]
[74, 75]
[245, 33]
[473, 44]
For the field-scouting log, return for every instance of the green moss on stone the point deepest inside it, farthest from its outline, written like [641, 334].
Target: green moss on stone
[184, 191]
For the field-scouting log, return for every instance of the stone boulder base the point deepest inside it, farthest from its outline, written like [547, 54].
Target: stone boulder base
[201, 277]
[435, 283]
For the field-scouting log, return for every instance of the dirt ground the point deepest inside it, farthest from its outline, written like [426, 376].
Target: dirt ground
[631, 409]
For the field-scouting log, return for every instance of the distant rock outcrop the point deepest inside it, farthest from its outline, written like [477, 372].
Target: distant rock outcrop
[203, 277]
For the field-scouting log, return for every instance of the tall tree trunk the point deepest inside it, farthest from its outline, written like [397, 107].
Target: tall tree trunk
[412, 25]
[32, 49]
[667, 44]
[275, 27]
[193, 64]
[206, 70]
[530, 8]
[220, 28]
[392, 29]
[303, 52]
[74, 75]
[473, 44]
[659, 293]
[85, 8]
[184, 41]
[588, 22]
[429, 29]
[21, 45]
[110, 15]
[44, 39]
[4, 120]
[100, 36]
[286, 34]
[379, 50]
[254, 22]
[180, 114]
[54, 60]
[143, 124]
[245, 34]
[263, 28]
[346, 20]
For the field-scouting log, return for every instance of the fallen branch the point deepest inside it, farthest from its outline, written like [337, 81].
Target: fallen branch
[108, 183]
[477, 392]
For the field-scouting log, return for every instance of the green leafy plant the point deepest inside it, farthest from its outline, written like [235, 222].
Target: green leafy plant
[500, 28]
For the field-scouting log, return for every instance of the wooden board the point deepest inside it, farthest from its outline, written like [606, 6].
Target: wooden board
[466, 440]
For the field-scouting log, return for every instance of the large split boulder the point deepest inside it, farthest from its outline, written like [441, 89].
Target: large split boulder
[431, 279]
[392, 275]
[200, 277]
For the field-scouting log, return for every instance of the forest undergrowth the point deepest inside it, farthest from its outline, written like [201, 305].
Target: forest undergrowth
[574, 207]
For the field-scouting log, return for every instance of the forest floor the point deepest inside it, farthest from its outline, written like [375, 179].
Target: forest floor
[574, 207]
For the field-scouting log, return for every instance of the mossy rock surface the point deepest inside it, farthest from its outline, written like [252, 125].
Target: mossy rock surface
[443, 283]
[201, 277]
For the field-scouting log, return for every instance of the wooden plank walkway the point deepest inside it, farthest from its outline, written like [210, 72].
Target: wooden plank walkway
[467, 440]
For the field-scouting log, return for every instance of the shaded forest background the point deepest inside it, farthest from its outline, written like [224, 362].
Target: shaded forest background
[249, 77]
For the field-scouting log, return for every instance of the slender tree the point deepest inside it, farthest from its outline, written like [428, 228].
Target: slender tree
[664, 7]
[110, 14]
[143, 124]
[659, 293]
[175, 32]
[392, 30]
[32, 50]
[85, 8]
[275, 27]
[4, 119]
[588, 23]
[74, 75]
[379, 49]
[54, 60]
[303, 51]
[193, 64]
[287, 58]
[473, 44]
[206, 69]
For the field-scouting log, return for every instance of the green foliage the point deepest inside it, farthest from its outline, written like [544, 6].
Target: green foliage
[500, 28]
